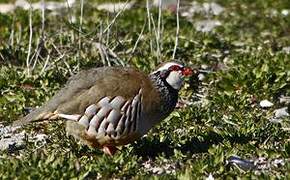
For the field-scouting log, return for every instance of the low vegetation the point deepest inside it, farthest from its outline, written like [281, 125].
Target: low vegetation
[244, 60]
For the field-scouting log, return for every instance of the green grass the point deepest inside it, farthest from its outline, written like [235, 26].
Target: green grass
[195, 140]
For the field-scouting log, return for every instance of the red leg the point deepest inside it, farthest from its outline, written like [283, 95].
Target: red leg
[109, 150]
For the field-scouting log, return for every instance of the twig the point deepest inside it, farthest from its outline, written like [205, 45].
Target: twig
[114, 55]
[11, 38]
[67, 65]
[30, 41]
[61, 55]
[69, 9]
[107, 44]
[19, 38]
[57, 60]
[55, 47]
[154, 30]
[157, 36]
[149, 23]
[80, 32]
[177, 29]
[99, 46]
[45, 64]
[139, 37]
[1, 55]
[36, 54]
[117, 15]
[40, 41]
[42, 17]
[159, 33]
[103, 53]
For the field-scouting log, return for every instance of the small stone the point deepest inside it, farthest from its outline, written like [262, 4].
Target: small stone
[203, 8]
[285, 12]
[5, 8]
[39, 140]
[241, 163]
[147, 165]
[278, 163]
[201, 77]
[284, 99]
[210, 177]
[286, 50]
[266, 104]
[213, 8]
[206, 25]
[282, 112]
[115, 7]
[204, 66]
[158, 170]
[12, 143]
[275, 120]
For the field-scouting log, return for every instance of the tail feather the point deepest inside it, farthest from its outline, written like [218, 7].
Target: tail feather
[36, 115]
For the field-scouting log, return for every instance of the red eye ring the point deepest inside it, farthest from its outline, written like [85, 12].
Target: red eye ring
[186, 71]
[175, 68]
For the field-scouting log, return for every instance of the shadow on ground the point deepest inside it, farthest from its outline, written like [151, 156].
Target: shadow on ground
[150, 149]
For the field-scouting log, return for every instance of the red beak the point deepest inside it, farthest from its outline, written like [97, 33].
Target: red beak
[187, 71]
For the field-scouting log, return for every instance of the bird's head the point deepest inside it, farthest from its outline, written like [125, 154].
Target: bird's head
[173, 73]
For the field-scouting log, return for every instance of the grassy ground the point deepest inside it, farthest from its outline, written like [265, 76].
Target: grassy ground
[246, 61]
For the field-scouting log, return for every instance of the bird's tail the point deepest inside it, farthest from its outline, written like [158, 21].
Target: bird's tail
[39, 114]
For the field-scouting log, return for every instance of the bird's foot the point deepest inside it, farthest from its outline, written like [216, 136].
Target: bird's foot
[110, 150]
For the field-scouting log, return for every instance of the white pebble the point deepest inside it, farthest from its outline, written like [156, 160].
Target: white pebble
[265, 103]
[210, 177]
[201, 77]
[285, 12]
[282, 112]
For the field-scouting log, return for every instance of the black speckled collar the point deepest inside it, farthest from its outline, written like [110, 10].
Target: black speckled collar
[168, 94]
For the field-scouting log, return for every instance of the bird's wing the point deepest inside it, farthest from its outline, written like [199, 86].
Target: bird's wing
[112, 121]
[90, 86]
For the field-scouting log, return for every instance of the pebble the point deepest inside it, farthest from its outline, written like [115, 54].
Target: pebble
[282, 112]
[266, 104]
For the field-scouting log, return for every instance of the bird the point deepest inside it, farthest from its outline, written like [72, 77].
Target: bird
[107, 107]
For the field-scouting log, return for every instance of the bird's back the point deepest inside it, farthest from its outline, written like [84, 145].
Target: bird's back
[89, 86]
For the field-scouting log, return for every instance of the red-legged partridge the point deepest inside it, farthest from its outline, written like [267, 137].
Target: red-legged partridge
[112, 106]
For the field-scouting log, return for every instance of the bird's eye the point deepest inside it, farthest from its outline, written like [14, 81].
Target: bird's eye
[174, 68]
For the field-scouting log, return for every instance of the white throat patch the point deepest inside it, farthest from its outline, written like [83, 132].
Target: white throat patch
[175, 79]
